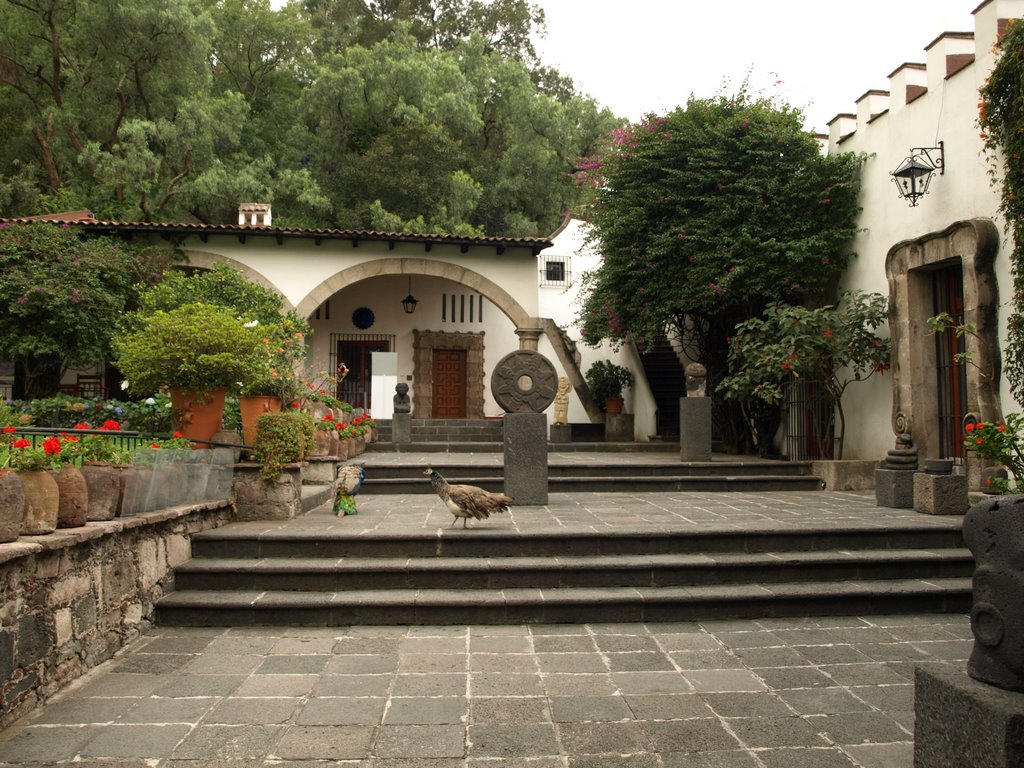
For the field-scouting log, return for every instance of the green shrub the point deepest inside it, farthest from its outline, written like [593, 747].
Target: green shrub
[282, 438]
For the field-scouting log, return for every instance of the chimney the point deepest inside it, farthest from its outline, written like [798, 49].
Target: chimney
[254, 214]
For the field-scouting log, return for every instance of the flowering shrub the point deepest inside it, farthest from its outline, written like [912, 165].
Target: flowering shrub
[20, 453]
[997, 441]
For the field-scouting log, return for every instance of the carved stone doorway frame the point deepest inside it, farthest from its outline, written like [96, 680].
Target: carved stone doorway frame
[973, 245]
[424, 344]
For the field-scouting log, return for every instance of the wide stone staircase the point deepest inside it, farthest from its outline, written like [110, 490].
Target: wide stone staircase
[334, 578]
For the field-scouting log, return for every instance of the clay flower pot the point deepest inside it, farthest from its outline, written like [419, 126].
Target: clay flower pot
[42, 499]
[73, 497]
[12, 505]
[104, 490]
[252, 407]
[197, 415]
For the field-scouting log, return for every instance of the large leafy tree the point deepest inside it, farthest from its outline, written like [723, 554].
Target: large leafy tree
[704, 217]
[410, 114]
[61, 297]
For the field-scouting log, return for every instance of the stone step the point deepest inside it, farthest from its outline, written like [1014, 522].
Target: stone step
[232, 542]
[464, 472]
[621, 484]
[377, 573]
[562, 605]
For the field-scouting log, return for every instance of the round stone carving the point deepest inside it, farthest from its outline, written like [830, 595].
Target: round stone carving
[524, 381]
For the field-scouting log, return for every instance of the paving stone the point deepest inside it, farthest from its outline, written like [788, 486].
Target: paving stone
[571, 662]
[651, 682]
[152, 663]
[888, 698]
[722, 680]
[832, 654]
[432, 685]
[615, 761]
[500, 644]
[119, 685]
[601, 738]
[83, 711]
[342, 711]
[792, 731]
[177, 645]
[589, 708]
[639, 662]
[189, 686]
[240, 646]
[668, 707]
[780, 678]
[512, 740]
[722, 759]
[161, 710]
[570, 684]
[864, 674]
[746, 704]
[503, 662]
[426, 710]
[823, 701]
[364, 646]
[882, 755]
[501, 684]
[352, 685]
[621, 643]
[221, 664]
[421, 741]
[563, 644]
[702, 735]
[860, 728]
[752, 658]
[369, 664]
[294, 665]
[509, 709]
[717, 658]
[750, 639]
[265, 711]
[276, 685]
[325, 742]
[46, 745]
[807, 758]
[690, 641]
[303, 645]
[151, 741]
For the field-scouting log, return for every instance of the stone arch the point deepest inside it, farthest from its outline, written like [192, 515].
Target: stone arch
[973, 245]
[206, 260]
[426, 267]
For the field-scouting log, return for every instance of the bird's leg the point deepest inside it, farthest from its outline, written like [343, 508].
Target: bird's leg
[454, 521]
[464, 521]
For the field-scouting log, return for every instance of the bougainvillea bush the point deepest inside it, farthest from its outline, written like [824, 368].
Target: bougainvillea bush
[999, 442]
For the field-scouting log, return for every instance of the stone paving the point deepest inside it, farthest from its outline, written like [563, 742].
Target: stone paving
[768, 693]
[794, 693]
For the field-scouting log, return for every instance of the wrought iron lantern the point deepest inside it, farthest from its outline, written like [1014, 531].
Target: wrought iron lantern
[914, 175]
[409, 302]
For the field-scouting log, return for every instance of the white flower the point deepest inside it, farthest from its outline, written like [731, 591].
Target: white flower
[150, 401]
[124, 385]
[252, 323]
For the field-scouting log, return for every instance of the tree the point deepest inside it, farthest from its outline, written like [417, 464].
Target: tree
[705, 216]
[832, 346]
[61, 297]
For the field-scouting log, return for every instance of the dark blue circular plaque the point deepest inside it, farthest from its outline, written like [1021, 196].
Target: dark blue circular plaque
[362, 318]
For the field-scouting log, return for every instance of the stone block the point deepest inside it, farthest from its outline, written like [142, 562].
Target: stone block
[894, 488]
[618, 428]
[320, 470]
[34, 639]
[526, 457]
[940, 494]
[962, 722]
[401, 428]
[62, 626]
[561, 433]
[846, 475]
[695, 429]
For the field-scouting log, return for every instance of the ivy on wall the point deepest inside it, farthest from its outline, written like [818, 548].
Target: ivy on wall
[1001, 119]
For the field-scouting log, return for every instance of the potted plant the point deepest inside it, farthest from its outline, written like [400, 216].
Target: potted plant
[606, 380]
[282, 438]
[280, 349]
[33, 464]
[199, 351]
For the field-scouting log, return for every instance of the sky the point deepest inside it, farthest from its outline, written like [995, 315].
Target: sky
[639, 56]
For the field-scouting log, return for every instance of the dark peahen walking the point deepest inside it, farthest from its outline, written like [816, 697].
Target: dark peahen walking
[467, 501]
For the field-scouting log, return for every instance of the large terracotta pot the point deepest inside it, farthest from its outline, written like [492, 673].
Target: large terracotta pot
[12, 505]
[252, 407]
[613, 404]
[321, 443]
[197, 415]
[104, 486]
[73, 503]
[41, 501]
[342, 447]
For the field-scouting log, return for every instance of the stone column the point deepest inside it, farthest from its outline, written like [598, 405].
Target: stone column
[526, 457]
[529, 338]
[695, 416]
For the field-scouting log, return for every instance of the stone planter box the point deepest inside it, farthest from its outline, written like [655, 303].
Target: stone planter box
[846, 475]
[259, 499]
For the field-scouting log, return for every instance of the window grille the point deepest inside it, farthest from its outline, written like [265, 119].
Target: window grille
[810, 422]
[554, 271]
[462, 308]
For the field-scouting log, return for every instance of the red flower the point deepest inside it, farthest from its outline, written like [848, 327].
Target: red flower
[177, 435]
[111, 424]
[1001, 428]
[295, 403]
[969, 428]
[70, 439]
[978, 440]
[155, 445]
[328, 417]
[22, 443]
[81, 425]
[51, 446]
[8, 430]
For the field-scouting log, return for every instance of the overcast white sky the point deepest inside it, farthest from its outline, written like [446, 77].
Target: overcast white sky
[638, 56]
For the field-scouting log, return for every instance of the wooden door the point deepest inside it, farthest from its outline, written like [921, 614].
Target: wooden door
[449, 384]
[950, 369]
[355, 389]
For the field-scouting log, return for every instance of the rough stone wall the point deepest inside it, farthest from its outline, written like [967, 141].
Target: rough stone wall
[70, 600]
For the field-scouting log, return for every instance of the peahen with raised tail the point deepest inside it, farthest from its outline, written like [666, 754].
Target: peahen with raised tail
[350, 480]
[467, 501]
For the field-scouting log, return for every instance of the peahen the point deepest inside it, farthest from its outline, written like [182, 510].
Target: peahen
[467, 501]
[350, 480]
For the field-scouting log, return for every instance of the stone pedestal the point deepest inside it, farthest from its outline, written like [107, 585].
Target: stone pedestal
[259, 499]
[894, 488]
[618, 428]
[940, 494]
[561, 433]
[320, 470]
[526, 458]
[695, 429]
[401, 428]
[845, 475]
[962, 722]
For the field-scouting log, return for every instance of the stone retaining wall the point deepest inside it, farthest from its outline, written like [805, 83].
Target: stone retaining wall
[71, 599]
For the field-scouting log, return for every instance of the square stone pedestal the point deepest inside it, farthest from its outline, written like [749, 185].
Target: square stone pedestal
[940, 494]
[695, 429]
[561, 433]
[960, 722]
[401, 428]
[618, 428]
[526, 457]
[894, 488]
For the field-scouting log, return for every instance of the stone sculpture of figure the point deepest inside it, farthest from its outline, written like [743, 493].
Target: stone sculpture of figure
[403, 404]
[562, 401]
[696, 380]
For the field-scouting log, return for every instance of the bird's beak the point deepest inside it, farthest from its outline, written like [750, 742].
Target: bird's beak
[427, 471]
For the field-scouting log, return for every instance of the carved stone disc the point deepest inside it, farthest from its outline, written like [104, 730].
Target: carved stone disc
[524, 381]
